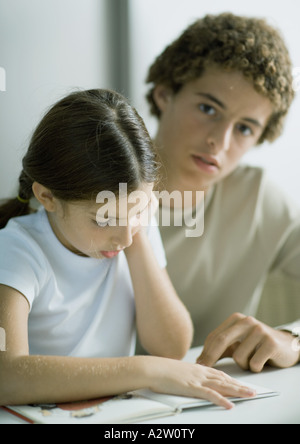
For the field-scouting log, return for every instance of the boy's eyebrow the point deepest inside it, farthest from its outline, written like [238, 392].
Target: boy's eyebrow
[223, 106]
[254, 122]
[213, 99]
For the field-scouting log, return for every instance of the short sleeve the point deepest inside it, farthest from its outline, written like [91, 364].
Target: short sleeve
[22, 263]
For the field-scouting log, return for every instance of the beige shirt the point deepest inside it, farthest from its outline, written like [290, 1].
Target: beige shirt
[250, 229]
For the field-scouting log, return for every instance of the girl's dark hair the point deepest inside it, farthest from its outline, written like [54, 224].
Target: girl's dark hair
[88, 142]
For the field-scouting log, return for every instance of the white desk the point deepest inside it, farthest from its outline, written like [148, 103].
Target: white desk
[283, 409]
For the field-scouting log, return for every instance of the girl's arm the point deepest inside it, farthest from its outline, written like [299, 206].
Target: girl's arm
[36, 379]
[28, 379]
[163, 322]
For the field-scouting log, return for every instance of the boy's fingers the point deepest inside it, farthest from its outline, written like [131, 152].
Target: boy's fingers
[220, 342]
[202, 359]
[221, 346]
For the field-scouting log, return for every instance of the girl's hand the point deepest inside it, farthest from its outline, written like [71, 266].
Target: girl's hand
[140, 224]
[193, 380]
[154, 205]
[149, 212]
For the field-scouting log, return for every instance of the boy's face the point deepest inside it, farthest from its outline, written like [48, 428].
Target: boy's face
[207, 127]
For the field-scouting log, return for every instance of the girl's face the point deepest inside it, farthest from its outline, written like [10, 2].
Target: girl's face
[101, 230]
[207, 127]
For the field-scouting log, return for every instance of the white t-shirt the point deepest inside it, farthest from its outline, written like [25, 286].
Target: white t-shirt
[81, 307]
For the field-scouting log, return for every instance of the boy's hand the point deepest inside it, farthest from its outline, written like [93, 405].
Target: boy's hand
[251, 344]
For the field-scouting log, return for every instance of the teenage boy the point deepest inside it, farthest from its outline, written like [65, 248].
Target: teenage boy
[223, 87]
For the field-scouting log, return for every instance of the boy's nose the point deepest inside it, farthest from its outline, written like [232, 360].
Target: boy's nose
[220, 139]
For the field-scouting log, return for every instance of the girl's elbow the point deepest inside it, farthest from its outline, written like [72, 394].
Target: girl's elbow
[183, 346]
[185, 338]
[174, 348]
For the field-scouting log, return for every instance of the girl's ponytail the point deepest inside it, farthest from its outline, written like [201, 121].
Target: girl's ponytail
[19, 206]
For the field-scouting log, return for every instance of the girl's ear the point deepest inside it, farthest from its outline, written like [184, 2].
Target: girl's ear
[45, 197]
[161, 97]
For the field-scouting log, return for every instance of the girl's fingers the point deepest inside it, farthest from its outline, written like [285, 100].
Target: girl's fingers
[217, 386]
[216, 398]
[234, 390]
[201, 382]
[226, 385]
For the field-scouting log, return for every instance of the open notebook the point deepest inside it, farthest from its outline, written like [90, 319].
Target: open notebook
[133, 407]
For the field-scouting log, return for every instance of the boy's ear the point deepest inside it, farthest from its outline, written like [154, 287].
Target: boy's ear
[162, 96]
[45, 197]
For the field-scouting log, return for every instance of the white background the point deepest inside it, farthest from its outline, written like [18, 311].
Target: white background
[50, 47]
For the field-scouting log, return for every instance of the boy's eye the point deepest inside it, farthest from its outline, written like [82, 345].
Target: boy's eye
[207, 109]
[245, 130]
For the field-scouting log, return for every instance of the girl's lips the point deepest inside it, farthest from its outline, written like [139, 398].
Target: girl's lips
[110, 254]
[206, 163]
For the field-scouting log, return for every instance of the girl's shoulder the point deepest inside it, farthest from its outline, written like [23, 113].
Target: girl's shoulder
[23, 230]
[20, 244]
[23, 264]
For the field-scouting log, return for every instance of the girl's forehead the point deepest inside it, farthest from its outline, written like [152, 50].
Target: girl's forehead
[117, 205]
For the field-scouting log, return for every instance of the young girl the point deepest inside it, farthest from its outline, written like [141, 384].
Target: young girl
[70, 285]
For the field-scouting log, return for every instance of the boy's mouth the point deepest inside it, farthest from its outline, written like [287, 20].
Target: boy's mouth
[206, 163]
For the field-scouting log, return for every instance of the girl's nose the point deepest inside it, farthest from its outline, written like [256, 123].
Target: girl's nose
[123, 239]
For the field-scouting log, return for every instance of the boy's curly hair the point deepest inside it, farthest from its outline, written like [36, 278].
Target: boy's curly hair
[248, 45]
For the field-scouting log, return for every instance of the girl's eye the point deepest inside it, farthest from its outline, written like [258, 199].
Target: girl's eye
[244, 130]
[207, 109]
